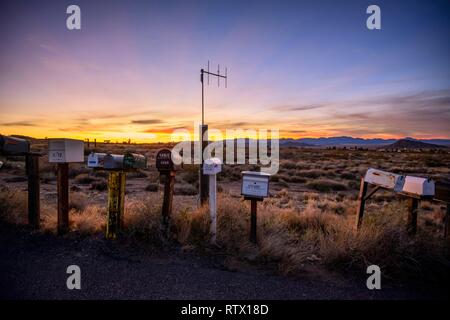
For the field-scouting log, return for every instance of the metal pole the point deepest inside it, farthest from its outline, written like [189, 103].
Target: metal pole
[213, 206]
[63, 197]
[203, 97]
[32, 167]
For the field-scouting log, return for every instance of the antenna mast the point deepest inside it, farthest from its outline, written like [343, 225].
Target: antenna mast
[208, 73]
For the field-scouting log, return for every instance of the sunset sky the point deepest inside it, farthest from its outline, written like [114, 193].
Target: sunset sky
[309, 68]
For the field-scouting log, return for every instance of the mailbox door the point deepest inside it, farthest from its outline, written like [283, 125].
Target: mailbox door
[254, 186]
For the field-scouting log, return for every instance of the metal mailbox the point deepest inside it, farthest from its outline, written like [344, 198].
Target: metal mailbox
[255, 184]
[134, 161]
[385, 179]
[164, 160]
[96, 160]
[65, 150]
[113, 161]
[212, 166]
[13, 146]
[422, 187]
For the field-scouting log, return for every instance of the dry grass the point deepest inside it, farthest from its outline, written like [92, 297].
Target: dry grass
[320, 231]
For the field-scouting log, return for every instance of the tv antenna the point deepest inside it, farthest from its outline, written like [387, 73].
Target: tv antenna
[208, 73]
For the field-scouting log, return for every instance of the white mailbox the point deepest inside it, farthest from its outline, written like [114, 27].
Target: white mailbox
[385, 179]
[255, 184]
[96, 160]
[422, 187]
[65, 150]
[212, 166]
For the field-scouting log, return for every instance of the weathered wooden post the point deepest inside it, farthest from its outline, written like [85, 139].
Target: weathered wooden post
[413, 204]
[62, 152]
[165, 166]
[380, 179]
[442, 193]
[361, 203]
[212, 167]
[116, 201]
[34, 203]
[63, 197]
[21, 147]
[255, 187]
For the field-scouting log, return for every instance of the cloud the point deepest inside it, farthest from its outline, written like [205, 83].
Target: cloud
[19, 124]
[298, 107]
[147, 121]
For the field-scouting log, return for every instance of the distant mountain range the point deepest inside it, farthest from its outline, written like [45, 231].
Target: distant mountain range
[350, 141]
[413, 144]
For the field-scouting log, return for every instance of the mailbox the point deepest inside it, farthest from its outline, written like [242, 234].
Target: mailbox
[65, 150]
[164, 160]
[385, 179]
[113, 161]
[422, 187]
[255, 184]
[212, 166]
[13, 146]
[134, 161]
[96, 160]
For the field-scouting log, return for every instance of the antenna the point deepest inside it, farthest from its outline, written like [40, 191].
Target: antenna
[218, 75]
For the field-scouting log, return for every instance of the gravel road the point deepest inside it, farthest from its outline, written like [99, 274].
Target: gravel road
[33, 266]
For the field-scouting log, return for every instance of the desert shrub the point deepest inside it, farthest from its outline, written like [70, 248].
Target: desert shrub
[13, 206]
[77, 201]
[185, 189]
[84, 178]
[142, 219]
[89, 220]
[17, 179]
[99, 185]
[325, 185]
[152, 187]
[137, 174]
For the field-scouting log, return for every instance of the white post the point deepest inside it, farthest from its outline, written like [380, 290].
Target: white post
[213, 206]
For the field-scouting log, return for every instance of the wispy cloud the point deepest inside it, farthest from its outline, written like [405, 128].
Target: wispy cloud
[147, 121]
[19, 124]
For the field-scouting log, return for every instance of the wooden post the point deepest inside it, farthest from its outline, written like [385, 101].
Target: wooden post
[447, 222]
[63, 197]
[213, 206]
[361, 203]
[203, 179]
[116, 200]
[412, 215]
[32, 168]
[253, 221]
[167, 201]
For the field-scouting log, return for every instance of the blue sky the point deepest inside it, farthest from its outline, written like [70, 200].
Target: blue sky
[309, 68]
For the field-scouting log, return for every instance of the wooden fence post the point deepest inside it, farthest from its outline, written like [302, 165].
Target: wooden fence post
[63, 197]
[253, 220]
[447, 222]
[412, 215]
[361, 203]
[116, 200]
[32, 168]
[203, 178]
[166, 213]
